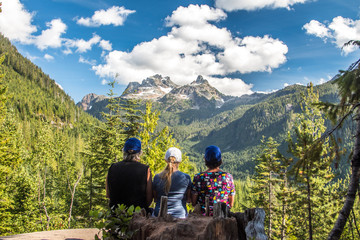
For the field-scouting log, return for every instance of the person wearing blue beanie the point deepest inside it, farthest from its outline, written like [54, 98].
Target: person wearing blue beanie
[129, 181]
[214, 183]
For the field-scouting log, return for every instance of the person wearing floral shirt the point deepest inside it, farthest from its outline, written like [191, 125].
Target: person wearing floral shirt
[214, 183]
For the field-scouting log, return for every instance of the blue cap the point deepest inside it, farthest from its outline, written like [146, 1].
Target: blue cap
[132, 145]
[212, 154]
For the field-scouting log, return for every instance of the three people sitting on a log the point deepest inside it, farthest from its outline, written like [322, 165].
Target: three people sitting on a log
[129, 182]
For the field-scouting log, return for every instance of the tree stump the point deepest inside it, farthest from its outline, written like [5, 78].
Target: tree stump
[251, 224]
[163, 206]
[220, 210]
[224, 225]
[207, 208]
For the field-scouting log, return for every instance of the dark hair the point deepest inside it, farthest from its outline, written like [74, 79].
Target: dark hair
[212, 165]
[130, 157]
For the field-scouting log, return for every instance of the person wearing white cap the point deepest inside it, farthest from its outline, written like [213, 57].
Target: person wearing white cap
[174, 184]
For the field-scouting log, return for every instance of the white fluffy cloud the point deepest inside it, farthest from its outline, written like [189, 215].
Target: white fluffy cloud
[233, 5]
[15, 22]
[232, 86]
[114, 15]
[82, 45]
[340, 31]
[51, 37]
[48, 57]
[106, 45]
[318, 29]
[104, 82]
[194, 47]
[86, 61]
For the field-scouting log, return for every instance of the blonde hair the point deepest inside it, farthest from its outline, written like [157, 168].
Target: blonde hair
[167, 172]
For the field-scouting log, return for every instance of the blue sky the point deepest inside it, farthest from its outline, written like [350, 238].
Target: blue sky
[240, 46]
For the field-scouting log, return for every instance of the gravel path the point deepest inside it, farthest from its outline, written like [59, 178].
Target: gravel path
[70, 234]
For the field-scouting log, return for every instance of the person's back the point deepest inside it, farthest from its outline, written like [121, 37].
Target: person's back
[213, 183]
[218, 186]
[129, 181]
[127, 184]
[180, 184]
[174, 184]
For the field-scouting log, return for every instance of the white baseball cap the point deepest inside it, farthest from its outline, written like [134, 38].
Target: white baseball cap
[173, 152]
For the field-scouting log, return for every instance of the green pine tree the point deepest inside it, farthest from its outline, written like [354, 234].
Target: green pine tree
[312, 156]
[9, 157]
[267, 177]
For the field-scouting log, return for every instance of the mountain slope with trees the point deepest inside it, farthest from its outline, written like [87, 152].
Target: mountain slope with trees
[54, 156]
[237, 127]
[48, 134]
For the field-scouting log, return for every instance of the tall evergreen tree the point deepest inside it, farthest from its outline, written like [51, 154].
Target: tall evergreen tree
[270, 173]
[103, 149]
[312, 157]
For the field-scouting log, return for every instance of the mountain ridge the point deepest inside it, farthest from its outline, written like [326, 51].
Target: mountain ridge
[194, 95]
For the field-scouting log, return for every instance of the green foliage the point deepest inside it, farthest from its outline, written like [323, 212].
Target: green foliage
[299, 192]
[312, 158]
[42, 134]
[115, 223]
[155, 145]
[270, 188]
[244, 199]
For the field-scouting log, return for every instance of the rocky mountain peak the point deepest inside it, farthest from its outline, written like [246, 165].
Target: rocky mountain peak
[158, 81]
[200, 80]
[88, 100]
[132, 87]
[151, 88]
[199, 92]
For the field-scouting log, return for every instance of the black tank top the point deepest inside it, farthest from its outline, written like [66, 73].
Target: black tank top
[127, 184]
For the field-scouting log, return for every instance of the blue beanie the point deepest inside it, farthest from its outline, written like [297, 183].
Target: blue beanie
[212, 154]
[132, 145]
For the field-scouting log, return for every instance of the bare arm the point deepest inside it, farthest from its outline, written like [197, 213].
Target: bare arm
[149, 191]
[231, 200]
[107, 187]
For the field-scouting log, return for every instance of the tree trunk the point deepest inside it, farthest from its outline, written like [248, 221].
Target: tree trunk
[309, 208]
[207, 209]
[44, 205]
[353, 187]
[283, 223]
[91, 190]
[73, 196]
[39, 199]
[163, 206]
[270, 215]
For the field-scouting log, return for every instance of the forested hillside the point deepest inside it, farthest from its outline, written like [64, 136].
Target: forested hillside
[54, 156]
[43, 135]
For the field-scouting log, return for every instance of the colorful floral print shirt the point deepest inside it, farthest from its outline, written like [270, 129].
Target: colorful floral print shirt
[217, 185]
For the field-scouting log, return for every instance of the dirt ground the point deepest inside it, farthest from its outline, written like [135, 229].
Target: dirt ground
[70, 234]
